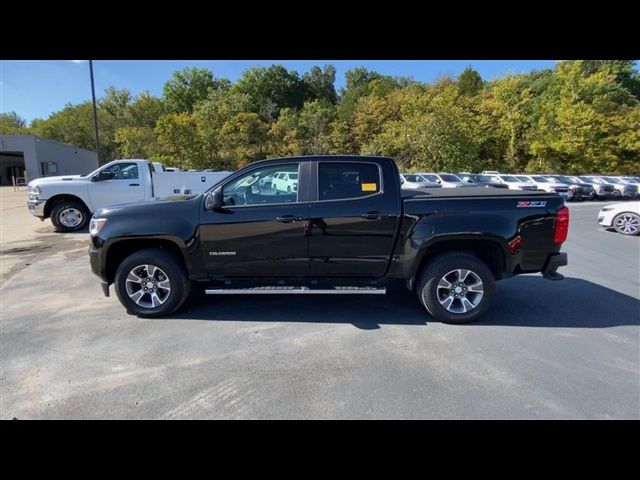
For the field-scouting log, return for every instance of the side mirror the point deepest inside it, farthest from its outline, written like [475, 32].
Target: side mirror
[439, 181]
[213, 200]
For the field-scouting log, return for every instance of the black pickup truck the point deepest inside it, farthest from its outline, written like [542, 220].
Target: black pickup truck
[327, 225]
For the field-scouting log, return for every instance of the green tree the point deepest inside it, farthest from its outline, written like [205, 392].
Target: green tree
[589, 123]
[12, 124]
[361, 82]
[433, 133]
[178, 138]
[372, 113]
[190, 86]
[145, 110]
[73, 125]
[505, 107]
[271, 89]
[211, 115]
[470, 82]
[320, 83]
[137, 142]
[284, 135]
[244, 138]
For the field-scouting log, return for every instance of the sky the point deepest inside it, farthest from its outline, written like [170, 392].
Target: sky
[35, 89]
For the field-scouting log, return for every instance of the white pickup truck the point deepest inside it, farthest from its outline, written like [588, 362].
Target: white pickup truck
[71, 200]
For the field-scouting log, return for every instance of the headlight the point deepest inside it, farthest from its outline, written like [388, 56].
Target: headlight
[96, 225]
[35, 191]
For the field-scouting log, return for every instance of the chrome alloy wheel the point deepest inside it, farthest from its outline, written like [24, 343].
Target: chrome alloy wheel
[70, 217]
[628, 224]
[148, 286]
[460, 291]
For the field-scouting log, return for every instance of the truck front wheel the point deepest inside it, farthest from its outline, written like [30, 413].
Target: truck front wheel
[456, 287]
[69, 216]
[151, 283]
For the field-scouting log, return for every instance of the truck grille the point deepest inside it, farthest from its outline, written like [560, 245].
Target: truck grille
[530, 187]
[560, 189]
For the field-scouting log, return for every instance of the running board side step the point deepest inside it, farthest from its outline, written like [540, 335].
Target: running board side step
[295, 290]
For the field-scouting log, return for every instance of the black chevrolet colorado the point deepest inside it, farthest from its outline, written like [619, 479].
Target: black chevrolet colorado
[327, 225]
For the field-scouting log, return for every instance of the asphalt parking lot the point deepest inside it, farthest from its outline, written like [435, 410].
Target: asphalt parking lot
[552, 350]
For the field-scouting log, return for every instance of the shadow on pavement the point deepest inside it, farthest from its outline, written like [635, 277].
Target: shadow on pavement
[525, 301]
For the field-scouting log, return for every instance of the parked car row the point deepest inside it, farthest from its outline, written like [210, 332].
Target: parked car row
[572, 187]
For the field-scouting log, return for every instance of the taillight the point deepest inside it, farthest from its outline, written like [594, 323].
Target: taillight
[562, 225]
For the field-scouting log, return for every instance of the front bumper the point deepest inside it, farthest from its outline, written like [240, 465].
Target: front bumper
[605, 219]
[98, 269]
[554, 262]
[36, 206]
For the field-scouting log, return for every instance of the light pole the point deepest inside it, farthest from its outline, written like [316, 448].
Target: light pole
[95, 111]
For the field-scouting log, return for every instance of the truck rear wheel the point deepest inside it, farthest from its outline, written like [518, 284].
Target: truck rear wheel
[152, 283]
[69, 216]
[456, 287]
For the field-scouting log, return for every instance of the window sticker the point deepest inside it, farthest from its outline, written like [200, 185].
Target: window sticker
[369, 187]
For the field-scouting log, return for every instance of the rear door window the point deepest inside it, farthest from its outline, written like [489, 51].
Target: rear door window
[343, 180]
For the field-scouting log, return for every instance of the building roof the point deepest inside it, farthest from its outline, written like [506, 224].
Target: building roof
[23, 139]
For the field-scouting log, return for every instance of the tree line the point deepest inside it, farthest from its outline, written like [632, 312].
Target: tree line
[579, 117]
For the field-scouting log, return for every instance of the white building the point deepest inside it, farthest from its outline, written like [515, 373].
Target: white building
[41, 157]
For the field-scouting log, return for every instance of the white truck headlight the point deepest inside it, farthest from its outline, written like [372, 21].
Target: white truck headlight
[35, 191]
[96, 225]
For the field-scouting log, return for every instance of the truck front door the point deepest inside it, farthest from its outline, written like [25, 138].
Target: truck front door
[260, 231]
[115, 184]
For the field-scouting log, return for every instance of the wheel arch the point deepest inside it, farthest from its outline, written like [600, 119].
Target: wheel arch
[120, 249]
[60, 198]
[487, 249]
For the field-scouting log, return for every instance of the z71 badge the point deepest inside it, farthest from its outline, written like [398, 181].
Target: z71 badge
[531, 204]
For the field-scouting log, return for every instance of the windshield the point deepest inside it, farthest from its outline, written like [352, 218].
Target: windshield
[613, 180]
[540, 179]
[522, 178]
[590, 180]
[414, 178]
[557, 180]
[487, 178]
[509, 178]
[430, 178]
[450, 178]
[565, 179]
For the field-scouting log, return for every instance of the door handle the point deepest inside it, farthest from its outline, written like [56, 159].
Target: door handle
[134, 184]
[371, 215]
[288, 219]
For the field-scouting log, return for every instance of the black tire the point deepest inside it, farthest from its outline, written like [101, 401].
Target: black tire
[627, 223]
[58, 211]
[168, 264]
[617, 195]
[428, 291]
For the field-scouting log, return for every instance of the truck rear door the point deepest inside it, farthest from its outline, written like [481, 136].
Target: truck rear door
[354, 214]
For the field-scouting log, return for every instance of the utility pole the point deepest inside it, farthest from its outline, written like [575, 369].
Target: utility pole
[95, 111]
